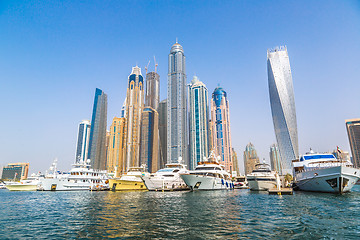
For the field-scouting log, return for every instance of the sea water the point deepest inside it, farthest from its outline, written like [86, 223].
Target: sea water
[223, 214]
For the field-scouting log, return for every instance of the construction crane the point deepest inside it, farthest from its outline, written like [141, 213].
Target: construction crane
[155, 63]
[146, 68]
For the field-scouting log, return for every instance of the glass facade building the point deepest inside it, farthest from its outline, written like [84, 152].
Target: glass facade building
[220, 128]
[177, 138]
[198, 122]
[250, 158]
[282, 103]
[149, 143]
[163, 133]
[83, 141]
[353, 130]
[134, 107]
[275, 159]
[97, 141]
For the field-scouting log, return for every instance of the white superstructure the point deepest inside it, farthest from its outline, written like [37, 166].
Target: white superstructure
[167, 178]
[208, 175]
[324, 173]
[80, 177]
[261, 178]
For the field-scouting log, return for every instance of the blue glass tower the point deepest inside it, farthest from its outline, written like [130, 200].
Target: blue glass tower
[97, 141]
[283, 106]
[198, 122]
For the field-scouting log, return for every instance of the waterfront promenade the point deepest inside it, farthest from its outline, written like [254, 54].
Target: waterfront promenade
[233, 214]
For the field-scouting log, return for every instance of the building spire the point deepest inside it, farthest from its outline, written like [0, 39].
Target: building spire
[176, 40]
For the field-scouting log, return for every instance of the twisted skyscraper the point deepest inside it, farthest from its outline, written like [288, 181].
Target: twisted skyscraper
[97, 141]
[283, 105]
[177, 144]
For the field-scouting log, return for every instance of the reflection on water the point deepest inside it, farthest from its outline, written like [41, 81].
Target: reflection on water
[186, 215]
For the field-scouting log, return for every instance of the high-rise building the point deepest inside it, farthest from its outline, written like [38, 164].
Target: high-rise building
[198, 122]
[353, 130]
[250, 158]
[152, 93]
[177, 140]
[283, 105]
[163, 133]
[220, 121]
[97, 142]
[15, 171]
[149, 143]
[235, 162]
[275, 159]
[134, 108]
[116, 147]
[83, 141]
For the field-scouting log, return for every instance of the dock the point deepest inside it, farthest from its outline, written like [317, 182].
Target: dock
[281, 191]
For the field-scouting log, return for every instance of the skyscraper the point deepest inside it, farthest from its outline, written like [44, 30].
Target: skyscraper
[283, 105]
[163, 133]
[250, 158]
[275, 159]
[353, 130]
[236, 171]
[134, 107]
[149, 143]
[177, 143]
[83, 141]
[152, 94]
[116, 147]
[220, 121]
[97, 141]
[198, 122]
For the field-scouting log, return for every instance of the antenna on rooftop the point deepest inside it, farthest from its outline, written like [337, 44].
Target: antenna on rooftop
[155, 63]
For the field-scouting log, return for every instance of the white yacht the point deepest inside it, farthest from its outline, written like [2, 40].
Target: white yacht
[208, 175]
[29, 184]
[324, 173]
[80, 177]
[167, 179]
[261, 178]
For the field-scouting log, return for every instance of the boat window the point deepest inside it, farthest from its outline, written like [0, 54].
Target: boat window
[166, 170]
[205, 168]
[168, 175]
[211, 174]
[261, 170]
[176, 170]
[217, 168]
[324, 156]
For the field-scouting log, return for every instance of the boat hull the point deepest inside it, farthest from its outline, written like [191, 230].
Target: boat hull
[126, 185]
[164, 184]
[261, 184]
[201, 182]
[22, 187]
[337, 179]
[56, 184]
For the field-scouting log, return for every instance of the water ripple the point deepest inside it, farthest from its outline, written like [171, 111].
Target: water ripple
[238, 214]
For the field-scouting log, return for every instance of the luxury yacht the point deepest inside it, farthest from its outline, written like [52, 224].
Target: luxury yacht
[129, 181]
[29, 184]
[167, 179]
[261, 178]
[208, 175]
[80, 177]
[324, 173]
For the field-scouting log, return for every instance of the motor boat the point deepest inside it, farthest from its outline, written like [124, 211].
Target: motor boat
[262, 178]
[323, 172]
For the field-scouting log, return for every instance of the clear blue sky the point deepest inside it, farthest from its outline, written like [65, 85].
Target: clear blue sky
[54, 54]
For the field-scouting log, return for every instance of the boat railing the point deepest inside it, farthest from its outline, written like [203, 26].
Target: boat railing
[321, 165]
